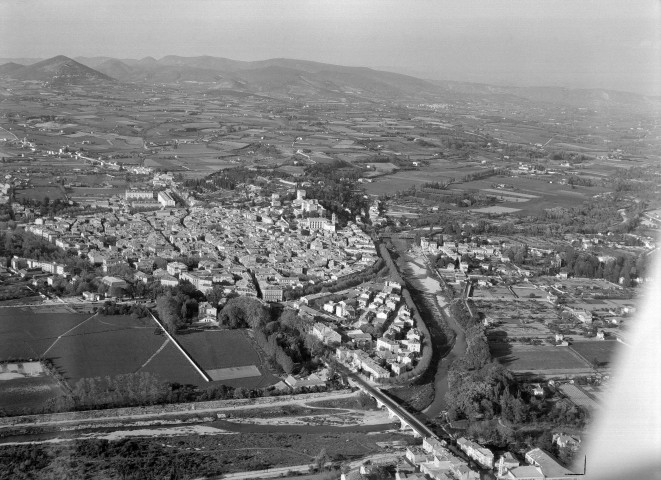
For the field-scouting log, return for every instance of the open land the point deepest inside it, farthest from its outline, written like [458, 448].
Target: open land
[544, 360]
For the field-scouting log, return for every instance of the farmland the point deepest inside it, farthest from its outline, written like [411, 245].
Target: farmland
[26, 386]
[89, 346]
[218, 352]
[41, 192]
[602, 351]
[538, 359]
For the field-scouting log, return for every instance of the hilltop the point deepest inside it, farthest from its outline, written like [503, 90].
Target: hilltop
[56, 70]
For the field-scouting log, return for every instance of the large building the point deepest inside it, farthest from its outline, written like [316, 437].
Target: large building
[165, 199]
[139, 195]
[272, 293]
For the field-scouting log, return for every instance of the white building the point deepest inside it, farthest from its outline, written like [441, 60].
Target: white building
[165, 199]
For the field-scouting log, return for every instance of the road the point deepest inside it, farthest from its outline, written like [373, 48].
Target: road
[281, 471]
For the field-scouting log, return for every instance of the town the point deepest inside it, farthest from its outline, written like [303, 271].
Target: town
[424, 288]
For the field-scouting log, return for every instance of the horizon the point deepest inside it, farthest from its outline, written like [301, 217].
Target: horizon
[31, 61]
[611, 44]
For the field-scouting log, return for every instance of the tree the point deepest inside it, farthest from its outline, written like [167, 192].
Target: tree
[320, 459]
[168, 311]
[215, 295]
[244, 312]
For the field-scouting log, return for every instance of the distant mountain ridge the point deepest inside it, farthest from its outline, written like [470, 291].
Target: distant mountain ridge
[301, 79]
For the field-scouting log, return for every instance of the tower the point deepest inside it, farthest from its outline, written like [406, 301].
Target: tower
[333, 219]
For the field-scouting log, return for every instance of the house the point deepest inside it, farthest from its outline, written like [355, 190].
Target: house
[168, 281]
[326, 334]
[141, 277]
[566, 441]
[175, 268]
[505, 463]
[477, 452]
[317, 380]
[549, 466]
[91, 296]
[114, 282]
[360, 338]
[417, 455]
[433, 445]
[537, 390]
[387, 344]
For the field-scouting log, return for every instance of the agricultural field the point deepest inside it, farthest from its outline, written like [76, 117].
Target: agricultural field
[41, 192]
[602, 351]
[228, 355]
[530, 195]
[91, 346]
[26, 386]
[116, 345]
[539, 359]
[517, 319]
[438, 171]
[25, 334]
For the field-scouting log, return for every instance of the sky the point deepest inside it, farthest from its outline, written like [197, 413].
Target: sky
[613, 44]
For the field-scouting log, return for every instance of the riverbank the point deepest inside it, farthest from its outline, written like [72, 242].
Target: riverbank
[448, 338]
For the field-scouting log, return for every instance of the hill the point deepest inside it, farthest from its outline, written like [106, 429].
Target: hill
[10, 67]
[279, 76]
[58, 70]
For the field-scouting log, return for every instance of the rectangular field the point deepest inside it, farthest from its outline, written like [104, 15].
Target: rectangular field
[521, 358]
[226, 354]
[601, 351]
[29, 392]
[232, 373]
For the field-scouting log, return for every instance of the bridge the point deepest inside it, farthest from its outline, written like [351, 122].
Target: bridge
[407, 420]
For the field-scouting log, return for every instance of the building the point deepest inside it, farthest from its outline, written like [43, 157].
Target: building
[176, 268]
[548, 466]
[201, 279]
[139, 195]
[271, 293]
[477, 452]
[165, 199]
[326, 334]
[505, 463]
[114, 282]
[417, 455]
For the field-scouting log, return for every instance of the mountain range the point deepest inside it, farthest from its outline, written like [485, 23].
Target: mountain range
[297, 78]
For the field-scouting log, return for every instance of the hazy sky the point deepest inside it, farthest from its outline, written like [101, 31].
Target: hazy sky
[578, 43]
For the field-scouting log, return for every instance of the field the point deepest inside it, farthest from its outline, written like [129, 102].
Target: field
[26, 385]
[115, 345]
[41, 192]
[90, 346]
[497, 210]
[541, 359]
[438, 171]
[25, 334]
[603, 351]
[531, 194]
[221, 352]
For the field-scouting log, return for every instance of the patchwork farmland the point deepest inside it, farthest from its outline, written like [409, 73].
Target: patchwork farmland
[84, 345]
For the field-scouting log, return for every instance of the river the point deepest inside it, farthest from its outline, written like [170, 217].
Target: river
[418, 275]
